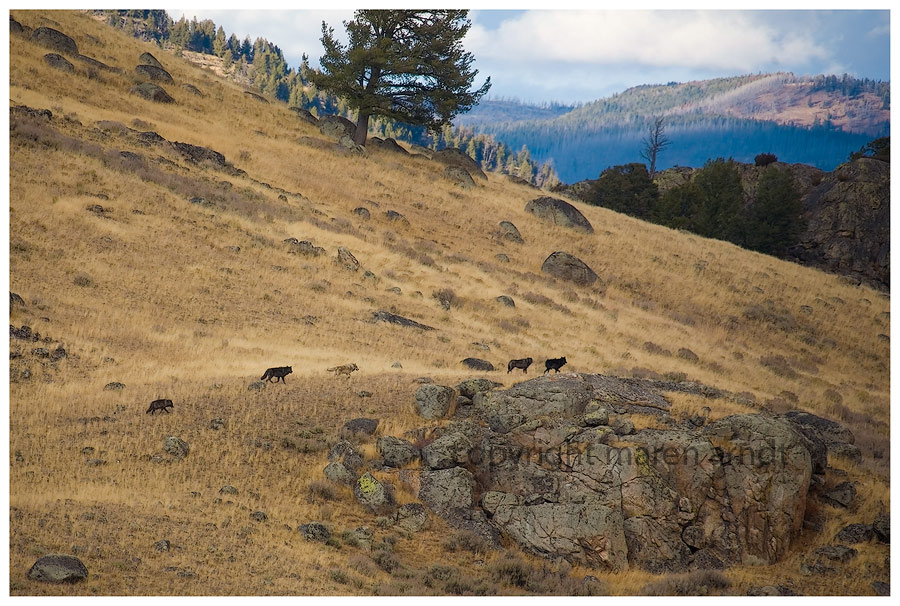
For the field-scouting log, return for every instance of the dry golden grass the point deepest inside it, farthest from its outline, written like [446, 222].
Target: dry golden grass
[159, 302]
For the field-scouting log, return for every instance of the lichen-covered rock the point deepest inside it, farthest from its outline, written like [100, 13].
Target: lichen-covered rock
[157, 74]
[346, 259]
[459, 177]
[58, 569]
[449, 450]
[470, 387]
[568, 267]
[148, 59]
[478, 364]
[882, 527]
[411, 517]
[559, 212]
[338, 473]
[176, 447]
[336, 126]
[355, 429]
[59, 62]
[855, 533]
[564, 395]
[373, 495]
[152, 92]
[453, 156]
[434, 401]
[396, 452]
[56, 40]
[510, 233]
[445, 489]
[315, 531]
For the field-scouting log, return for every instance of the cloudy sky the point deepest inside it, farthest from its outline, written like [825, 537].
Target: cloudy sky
[581, 55]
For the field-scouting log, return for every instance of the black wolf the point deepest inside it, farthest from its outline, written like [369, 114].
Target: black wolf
[276, 373]
[163, 405]
[524, 363]
[554, 364]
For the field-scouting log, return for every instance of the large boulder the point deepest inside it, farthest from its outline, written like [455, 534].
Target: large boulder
[568, 267]
[54, 40]
[453, 156]
[562, 395]
[509, 232]
[459, 177]
[848, 222]
[396, 452]
[59, 62]
[374, 495]
[58, 569]
[148, 59]
[446, 489]
[157, 74]
[559, 212]
[152, 92]
[336, 126]
[449, 450]
[434, 401]
[478, 364]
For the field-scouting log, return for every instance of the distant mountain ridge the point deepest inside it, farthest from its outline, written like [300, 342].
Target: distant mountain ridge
[815, 120]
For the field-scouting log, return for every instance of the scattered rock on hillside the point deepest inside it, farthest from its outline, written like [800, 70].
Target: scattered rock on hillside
[344, 452]
[176, 447]
[391, 318]
[336, 126]
[91, 62]
[15, 299]
[256, 97]
[389, 145]
[55, 40]
[882, 527]
[198, 154]
[346, 259]
[314, 531]
[509, 232]
[855, 533]
[411, 517]
[152, 92]
[449, 450]
[338, 473]
[471, 387]
[396, 452]
[453, 156]
[362, 212]
[686, 354]
[843, 495]
[58, 569]
[568, 267]
[434, 401]
[478, 364]
[374, 495]
[148, 59]
[459, 177]
[157, 74]
[304, 115]
[58, 62]
[837, 553]
[359, 428]
[446, 489]
[192, 89]
[559, 212]
[114, 386]
[396, 217]
[14, 26]
[506, 300]
[304, 247]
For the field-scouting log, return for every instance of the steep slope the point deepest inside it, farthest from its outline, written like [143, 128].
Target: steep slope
[143, 269]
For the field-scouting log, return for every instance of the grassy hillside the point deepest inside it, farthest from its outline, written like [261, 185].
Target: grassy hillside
[194, 301]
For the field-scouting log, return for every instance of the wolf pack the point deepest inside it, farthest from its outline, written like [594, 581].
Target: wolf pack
[278, 373]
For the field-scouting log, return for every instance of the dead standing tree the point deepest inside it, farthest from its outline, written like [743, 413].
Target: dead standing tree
[654, 143]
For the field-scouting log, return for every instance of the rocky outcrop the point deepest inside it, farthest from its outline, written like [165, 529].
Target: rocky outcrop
[152, 92]
[54, 40]
[509, 232]
[336, 126]
[452, 156]
[148, 59]
[559, 212]
[848, 222]
[58, 569]
[547, 465]
[568, 267]
[157, 74]
[59, 62]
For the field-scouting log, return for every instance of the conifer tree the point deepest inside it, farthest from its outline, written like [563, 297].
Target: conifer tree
[406, 65]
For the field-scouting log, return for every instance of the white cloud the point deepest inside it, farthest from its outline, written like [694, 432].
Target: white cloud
[725, 40]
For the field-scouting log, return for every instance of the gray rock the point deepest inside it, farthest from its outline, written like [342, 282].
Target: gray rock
[881, 588]
[396, 452]
[434, 401]
[478, 364]
[362, 212]
[59, 62]
[686, 354]
[373, 495]
[259, 516]
[559, 212]
[148, 59]
[562, 395]
[843, 495]
[510, 233]
[314, 531]
[655, 545]
[445, 489]
[192, 89]
[58, 569]
[855, 533]
[882, 527]
[152, 92]
[344, 452]
[256, 386]
[597, 417]
[162, 545]
[568, 267]
[156, 74]
[359, 428]
[114, 386]
[837, 553]
[55, 40]
[453, 156]
[449, 450]
[176, 447]
[506, 300]
[391, 318]
[470, 387]
[411, 517]
[229, 490]
[830, 431]
[338, 473]
[459, 176]
[346, 259]
[393, 215]
[336, 126]
[256, 97]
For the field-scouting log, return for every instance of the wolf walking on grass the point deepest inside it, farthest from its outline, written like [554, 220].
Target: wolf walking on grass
[276, 373]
